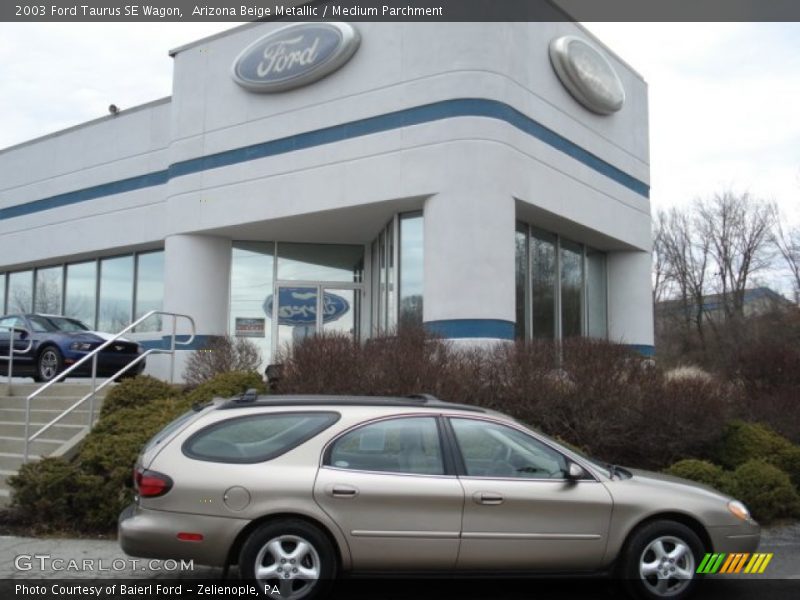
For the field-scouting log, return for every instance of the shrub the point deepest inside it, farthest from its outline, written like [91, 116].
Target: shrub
[597, 395]
[222, 354]
[743, 441]
[702, 471]
[135, 392]
[226, 385]
[766, 490]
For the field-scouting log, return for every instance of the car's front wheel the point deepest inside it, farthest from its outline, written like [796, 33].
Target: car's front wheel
[289, 559]
[48, 365]
[660, 561]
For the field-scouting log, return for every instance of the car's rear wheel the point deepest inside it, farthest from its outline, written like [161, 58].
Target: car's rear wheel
[49, 364]
[289, 559]
[660, 561]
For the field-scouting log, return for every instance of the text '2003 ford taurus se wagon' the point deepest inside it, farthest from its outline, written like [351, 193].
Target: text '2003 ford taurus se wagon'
[299, 489]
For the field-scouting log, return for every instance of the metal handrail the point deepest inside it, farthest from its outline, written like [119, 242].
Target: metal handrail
[12, 351]
[94, 387]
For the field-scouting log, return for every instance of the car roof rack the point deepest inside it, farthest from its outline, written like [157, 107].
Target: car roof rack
[251, 398]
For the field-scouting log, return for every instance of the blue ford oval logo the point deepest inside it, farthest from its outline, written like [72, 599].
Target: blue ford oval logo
[298, 306]
[294, 56]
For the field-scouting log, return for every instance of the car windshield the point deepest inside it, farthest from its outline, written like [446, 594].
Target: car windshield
[42, 324]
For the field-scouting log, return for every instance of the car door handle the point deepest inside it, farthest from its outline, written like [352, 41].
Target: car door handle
[343, 491]
[487, 498]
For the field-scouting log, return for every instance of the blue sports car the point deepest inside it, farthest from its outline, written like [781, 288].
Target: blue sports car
[58, 343]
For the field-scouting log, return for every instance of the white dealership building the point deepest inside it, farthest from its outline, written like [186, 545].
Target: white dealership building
[490, 180]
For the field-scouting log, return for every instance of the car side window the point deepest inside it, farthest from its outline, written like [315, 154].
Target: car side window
[256, 438]
[404, 445]
[495, 450]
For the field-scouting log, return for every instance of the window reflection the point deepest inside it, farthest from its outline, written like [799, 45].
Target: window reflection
[411, 269]
[149, 289]
[597, 309]
[520, 278]
[566, 295]
[252, 270]
[543, 285]
[116, 293]
[571, 289]
[320, 262]
[3, 293]
[49, 283]
[20, 292]
[81, 292]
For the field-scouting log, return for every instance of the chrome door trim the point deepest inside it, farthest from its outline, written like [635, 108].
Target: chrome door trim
[443, 535]
[480, 535]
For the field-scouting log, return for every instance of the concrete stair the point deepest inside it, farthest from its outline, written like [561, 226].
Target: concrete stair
[60, 440]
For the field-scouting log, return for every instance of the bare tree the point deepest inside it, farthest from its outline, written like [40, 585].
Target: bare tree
[686, 257]
[738, 228]
[660, 272]
[788, 244]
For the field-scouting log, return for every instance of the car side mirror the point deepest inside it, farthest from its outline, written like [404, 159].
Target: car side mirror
[575, 471]
[22, 334]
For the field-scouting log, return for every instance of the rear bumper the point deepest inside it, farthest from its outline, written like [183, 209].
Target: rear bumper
[149, 533]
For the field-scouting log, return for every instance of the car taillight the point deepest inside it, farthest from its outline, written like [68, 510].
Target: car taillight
[150, 484]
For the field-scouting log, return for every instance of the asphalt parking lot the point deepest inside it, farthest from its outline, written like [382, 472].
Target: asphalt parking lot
[35, 559]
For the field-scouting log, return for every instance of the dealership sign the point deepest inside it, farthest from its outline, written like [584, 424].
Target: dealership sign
[294, 56]
[297, 306]
[587, 74]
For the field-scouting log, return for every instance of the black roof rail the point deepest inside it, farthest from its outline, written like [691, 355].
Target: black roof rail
[251, 398]
[423, 397]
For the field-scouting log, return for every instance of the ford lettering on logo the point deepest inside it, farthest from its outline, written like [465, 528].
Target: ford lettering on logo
[298, 306]
[294, 56]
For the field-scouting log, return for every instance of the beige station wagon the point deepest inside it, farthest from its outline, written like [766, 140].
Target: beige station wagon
[298, 490]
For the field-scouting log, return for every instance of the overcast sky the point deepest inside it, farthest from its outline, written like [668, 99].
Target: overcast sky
[723, 97]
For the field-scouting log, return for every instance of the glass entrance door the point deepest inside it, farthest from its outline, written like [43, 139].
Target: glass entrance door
[303, 310]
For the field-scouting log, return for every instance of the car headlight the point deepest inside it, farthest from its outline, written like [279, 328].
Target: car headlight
[739, 510]
[81, 346]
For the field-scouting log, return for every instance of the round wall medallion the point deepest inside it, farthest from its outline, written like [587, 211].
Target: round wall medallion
[587, 74]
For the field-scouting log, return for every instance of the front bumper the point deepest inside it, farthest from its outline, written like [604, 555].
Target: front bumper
[107, 364]
[736, 538]
[150, 533]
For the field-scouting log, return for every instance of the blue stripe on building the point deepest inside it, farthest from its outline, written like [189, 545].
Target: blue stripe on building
[472, 328]
[418, 115]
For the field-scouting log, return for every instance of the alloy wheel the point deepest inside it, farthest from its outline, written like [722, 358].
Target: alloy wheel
[290, 563]
[667, 566]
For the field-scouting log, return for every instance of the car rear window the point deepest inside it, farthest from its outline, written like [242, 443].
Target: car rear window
[256, 438]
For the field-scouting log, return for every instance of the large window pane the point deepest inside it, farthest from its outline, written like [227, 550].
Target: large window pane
[320, 262]
[411, 269]
[521, 270]
[391, 278]
[596, 294]
[116, 293]
[49, 283]
[251, 286]
[81, 292]
[543, 284]
[2, 293]
[571, 289]
[20, 292]
[149, 289]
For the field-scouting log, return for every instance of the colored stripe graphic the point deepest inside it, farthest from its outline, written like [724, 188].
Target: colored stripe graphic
[718, 563]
